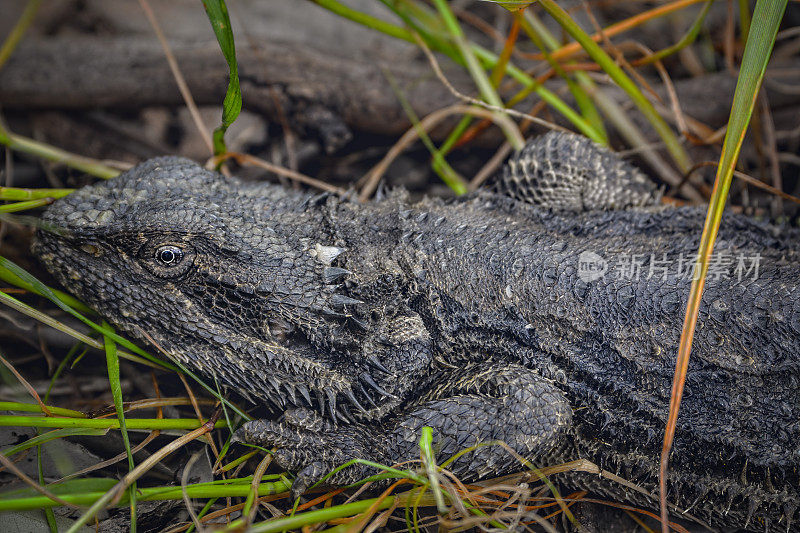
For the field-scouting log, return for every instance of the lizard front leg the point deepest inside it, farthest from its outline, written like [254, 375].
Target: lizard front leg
[512, 404]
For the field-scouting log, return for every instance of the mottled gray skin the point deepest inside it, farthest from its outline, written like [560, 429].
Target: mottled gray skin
[469, 316]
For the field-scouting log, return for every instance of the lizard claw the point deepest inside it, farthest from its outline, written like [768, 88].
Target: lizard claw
[309, 445]
[307, 478]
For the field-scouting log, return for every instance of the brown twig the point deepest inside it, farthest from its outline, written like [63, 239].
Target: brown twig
[195, 406]
[184, 482]
[257, 475]
[117, 458]
[27, 386]
[771, 145]
[119, 489]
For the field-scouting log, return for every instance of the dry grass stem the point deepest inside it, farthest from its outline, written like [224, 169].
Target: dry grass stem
[179, 79]
[426, 124]
[474, 101]
[247, 159]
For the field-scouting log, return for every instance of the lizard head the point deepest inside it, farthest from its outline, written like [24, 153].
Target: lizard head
[227, 277]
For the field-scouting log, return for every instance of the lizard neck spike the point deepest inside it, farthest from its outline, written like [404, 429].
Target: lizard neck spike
[367, 378]
[352, 397]
[366, 394]
[321, 400]
[373, 361]
[331, 394]
[340, 300]
[326, 254]
[304, 393]
[345, 415]
[334, 275]
[290, 391]
[752, 505]
[788, 513]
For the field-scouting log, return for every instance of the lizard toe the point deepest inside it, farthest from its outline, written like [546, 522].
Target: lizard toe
[269, 433]
[308, 477]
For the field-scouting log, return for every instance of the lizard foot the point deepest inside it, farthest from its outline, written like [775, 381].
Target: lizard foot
[309, 445]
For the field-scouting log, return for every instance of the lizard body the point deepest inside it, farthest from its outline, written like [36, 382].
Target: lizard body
[553, 327]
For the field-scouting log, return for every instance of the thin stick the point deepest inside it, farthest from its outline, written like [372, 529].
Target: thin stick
[474, 101]
[490, 166]
[245, 159]
[426, 124]
[25, 20]
[257, 475]
[108, 462]
[751, 181]
[574, 47]
[185, 481]
[27, 386]
[179, 79]
[771, 147]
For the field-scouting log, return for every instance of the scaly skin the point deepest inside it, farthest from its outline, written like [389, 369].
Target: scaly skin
[363, 323]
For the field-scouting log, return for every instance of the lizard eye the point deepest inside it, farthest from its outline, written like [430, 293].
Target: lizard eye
[167, 260]
[169, 255]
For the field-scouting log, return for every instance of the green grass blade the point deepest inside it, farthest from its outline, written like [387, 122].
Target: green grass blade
[440, 164]
[429, 461]
[148, 424]
[112, 362]
[474, 67]
[24, 206]
[311, 518]
[545, 42]
[16, 194]
[684, 41]
[11, 277]
[490, 59]
[487, 58]
[49, 515]
[217, 13]
[53, 435]
[56, 155]
[14, 37]
[744, 18]
[88, 491]
[763, 29]
[479, 76]
[393, 30]
[514, 5]
[36, 408]
[66, 488]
